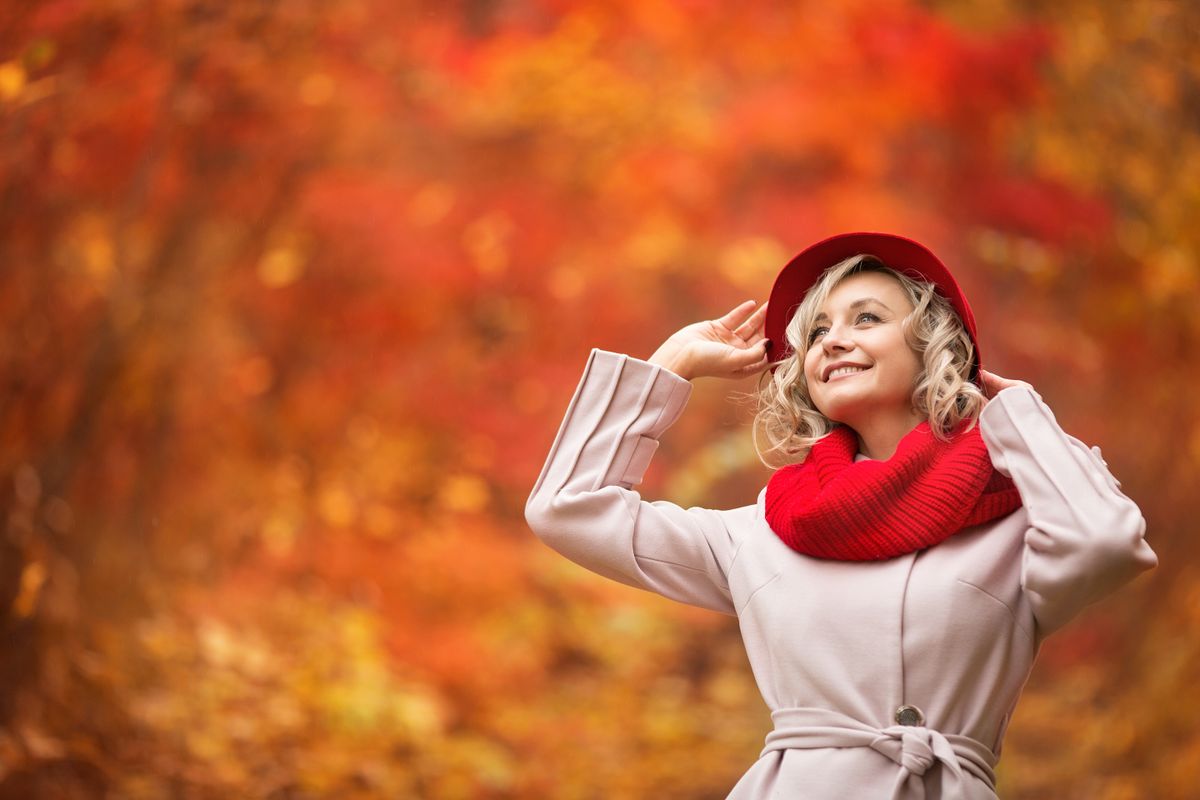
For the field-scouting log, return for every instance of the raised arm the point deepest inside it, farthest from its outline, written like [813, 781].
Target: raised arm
[1085, 537]
[583, 504]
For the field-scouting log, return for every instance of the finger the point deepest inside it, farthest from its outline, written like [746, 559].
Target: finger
[738, 315]
[750, 356]
[993, 383]
[752, 369]
[754, 324]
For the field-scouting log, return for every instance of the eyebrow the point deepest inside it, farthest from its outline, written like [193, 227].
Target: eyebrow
[853, 306]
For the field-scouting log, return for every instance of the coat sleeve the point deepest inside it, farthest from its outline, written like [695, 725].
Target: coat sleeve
[584, 505]
[1085, 537]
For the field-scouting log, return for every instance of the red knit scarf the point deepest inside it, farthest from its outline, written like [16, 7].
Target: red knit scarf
[831, 507]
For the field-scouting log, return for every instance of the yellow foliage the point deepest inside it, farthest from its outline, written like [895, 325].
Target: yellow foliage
[33, 576]
[12, 80]
[280, 266]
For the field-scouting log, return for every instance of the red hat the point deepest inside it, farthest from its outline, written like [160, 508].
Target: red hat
[903, 255]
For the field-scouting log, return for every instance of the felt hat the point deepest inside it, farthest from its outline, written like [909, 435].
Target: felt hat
[904, 255]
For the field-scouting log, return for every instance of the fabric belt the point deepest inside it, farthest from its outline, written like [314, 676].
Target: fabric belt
[914, 748]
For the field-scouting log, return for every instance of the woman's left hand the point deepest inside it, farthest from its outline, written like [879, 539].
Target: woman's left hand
[993, 383]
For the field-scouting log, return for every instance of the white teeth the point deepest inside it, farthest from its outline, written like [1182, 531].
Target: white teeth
[844, 371]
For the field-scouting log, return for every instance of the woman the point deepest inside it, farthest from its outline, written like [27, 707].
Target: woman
[893, 583]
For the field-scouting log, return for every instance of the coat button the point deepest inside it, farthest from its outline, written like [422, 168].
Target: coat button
[910, 715]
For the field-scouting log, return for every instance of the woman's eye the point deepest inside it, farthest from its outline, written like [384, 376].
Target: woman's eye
[812, 336]
[867, 315]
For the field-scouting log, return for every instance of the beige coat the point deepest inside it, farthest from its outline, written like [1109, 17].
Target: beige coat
[838, 648]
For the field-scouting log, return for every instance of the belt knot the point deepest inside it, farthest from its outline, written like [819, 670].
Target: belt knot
[915, 749]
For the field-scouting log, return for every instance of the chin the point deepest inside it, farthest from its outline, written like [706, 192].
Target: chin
[842, 410]
[838, 415]
[849, 412]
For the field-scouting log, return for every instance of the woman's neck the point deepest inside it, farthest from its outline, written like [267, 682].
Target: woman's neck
[881, 437]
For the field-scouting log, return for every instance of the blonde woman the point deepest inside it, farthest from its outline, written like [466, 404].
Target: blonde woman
[927, 526]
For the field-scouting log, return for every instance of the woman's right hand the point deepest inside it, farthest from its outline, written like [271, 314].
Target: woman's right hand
[733, 346]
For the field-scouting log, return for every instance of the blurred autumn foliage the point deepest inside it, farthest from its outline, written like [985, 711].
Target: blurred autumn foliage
[296, 292]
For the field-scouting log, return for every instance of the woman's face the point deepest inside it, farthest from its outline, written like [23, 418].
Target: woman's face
[858, 366]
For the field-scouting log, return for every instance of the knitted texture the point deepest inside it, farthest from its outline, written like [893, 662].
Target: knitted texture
[831, 507]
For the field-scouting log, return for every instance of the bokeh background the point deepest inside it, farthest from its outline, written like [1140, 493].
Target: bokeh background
[295, 294]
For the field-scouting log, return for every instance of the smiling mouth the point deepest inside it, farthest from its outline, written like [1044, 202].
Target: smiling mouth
[842, 372]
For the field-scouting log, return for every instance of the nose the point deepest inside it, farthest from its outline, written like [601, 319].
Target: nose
[836, 339]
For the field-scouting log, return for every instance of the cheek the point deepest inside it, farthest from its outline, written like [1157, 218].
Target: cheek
[810, 369]
[810, 358]
[906, 377]
[915, 364]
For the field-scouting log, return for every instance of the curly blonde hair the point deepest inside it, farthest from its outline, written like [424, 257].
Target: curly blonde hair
[943, 393]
